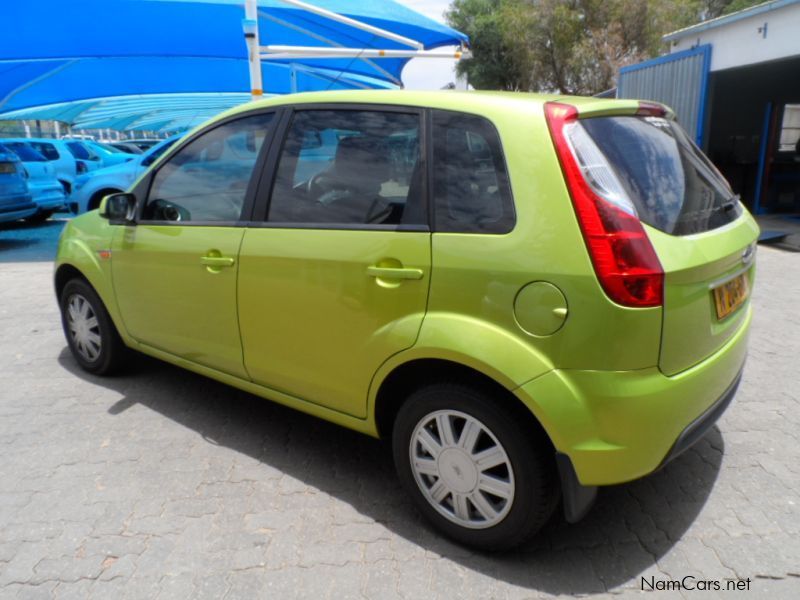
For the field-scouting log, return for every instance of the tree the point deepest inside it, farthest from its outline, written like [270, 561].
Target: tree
[568, 46]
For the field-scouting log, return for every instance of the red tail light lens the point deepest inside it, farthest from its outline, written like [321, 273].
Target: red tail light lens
[623, 257]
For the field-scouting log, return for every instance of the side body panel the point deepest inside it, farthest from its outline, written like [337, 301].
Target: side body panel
[170, 300]
[314, 322]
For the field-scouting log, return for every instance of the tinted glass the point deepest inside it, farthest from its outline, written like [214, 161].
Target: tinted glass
[25, 152]
[350, 167]
[49, 151]
[78, 150]
[672, 184]
[108, 148]
[471, 191]
[207, 179]
[154, 153]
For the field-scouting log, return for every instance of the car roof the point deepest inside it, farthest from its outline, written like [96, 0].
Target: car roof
[478, 102]
[28, 140]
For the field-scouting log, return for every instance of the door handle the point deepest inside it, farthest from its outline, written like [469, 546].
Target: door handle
[394, 273]
[217, 261]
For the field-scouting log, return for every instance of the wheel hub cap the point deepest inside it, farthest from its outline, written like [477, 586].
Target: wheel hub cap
[458, 471]
[462, 469]
[83, 327]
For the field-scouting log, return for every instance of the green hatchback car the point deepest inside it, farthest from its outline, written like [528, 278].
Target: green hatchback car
[530, 296]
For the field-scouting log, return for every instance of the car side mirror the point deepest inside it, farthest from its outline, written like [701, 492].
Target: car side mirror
[118, 208]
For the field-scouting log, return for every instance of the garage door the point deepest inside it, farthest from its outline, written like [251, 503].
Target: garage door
[678, 80]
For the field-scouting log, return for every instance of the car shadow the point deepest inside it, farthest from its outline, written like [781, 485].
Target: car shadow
[22, 241]
[630, 527]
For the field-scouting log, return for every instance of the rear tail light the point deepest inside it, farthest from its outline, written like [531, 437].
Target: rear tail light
[80, 167]
[623, 257]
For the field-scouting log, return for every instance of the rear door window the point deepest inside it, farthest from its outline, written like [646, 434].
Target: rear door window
[350, 167]
[471, 190]
[49, 151]
[670, 182]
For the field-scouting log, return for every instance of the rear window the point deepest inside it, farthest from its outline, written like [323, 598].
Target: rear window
[47, 150]
[672, 184]
[78, 150]
[24, 152]
[471, 191]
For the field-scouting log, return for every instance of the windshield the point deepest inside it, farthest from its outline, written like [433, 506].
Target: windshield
[670, 182]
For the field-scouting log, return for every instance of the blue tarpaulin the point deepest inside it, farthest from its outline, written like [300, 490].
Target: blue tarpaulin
[98, 63]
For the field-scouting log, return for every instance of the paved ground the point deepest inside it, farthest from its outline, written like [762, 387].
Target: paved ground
[23, 242]
[162, 484]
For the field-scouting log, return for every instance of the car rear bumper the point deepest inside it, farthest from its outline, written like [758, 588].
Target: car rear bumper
[616, 426]
[17, 208]
[49, 196]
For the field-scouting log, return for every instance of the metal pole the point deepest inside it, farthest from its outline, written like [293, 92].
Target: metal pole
[357, 24]
[277, 52]
[250, 26]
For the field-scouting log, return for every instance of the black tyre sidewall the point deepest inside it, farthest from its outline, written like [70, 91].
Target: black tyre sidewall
[536, 487]
[40, 217]
[111, 346]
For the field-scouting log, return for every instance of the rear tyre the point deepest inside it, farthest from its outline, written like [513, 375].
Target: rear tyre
[91, 335]
[479, 474]
[40, 217]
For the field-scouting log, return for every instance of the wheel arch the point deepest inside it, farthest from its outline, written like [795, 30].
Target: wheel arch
[64, 273]
[404, 378]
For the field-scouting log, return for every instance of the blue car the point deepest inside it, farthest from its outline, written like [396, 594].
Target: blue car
[15, 198]
[47, 191]
[91, 187]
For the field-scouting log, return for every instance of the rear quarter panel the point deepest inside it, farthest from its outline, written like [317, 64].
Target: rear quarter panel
[480, 275]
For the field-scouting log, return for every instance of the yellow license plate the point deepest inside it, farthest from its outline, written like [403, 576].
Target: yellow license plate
[731, 295]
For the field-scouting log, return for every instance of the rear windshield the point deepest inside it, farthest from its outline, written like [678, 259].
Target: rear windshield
[672, 184]
[24, 152]
[78, 150]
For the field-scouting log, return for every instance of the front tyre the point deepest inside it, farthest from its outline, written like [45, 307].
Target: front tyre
[91, 335]
[475, 471]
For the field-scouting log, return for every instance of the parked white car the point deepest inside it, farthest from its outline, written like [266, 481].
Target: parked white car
[45, 189]
[58, 154]
[91, 187]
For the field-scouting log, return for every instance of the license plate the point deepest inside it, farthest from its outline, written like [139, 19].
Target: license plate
[731, 295]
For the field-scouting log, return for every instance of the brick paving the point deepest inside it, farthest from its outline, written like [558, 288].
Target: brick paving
[163, 484]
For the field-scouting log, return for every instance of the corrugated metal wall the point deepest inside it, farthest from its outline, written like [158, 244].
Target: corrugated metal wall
[677, 80]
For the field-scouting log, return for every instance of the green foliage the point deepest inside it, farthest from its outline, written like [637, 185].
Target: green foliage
[568, 46]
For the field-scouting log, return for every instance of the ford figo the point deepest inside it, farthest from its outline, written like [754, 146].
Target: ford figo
[529, 296]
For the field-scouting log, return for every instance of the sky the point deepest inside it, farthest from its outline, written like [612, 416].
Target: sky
[428, 73]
